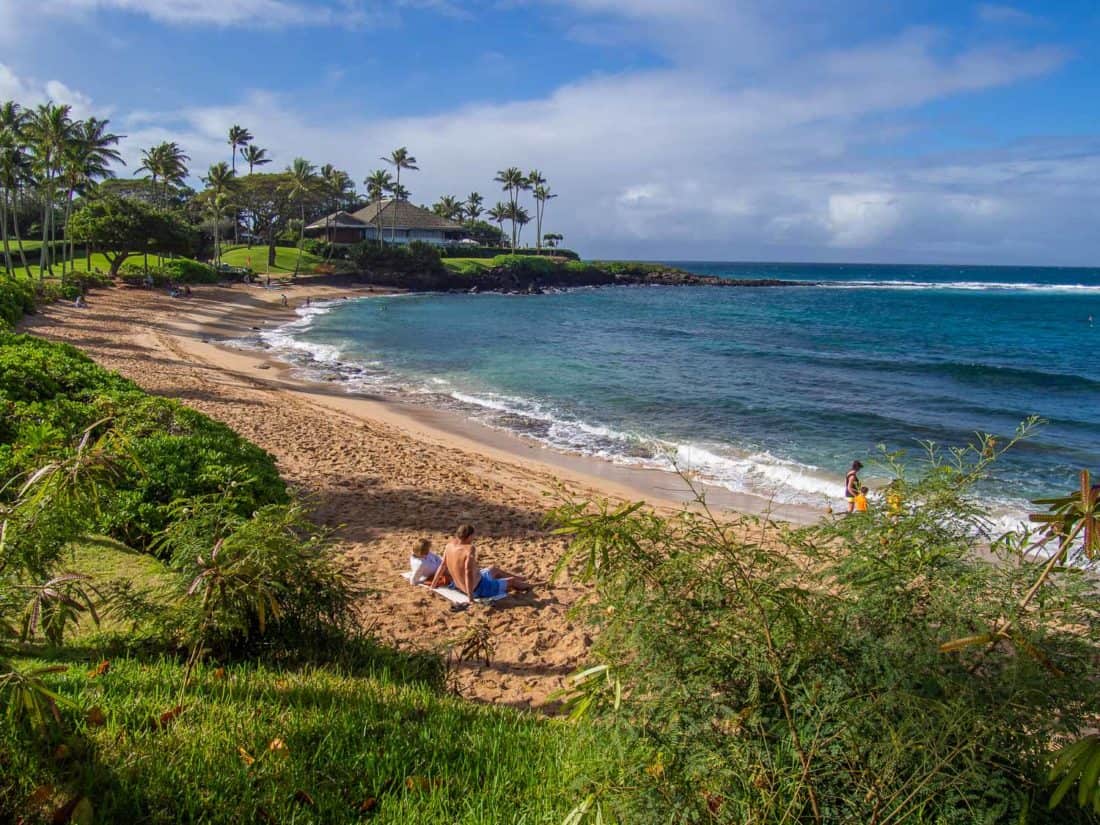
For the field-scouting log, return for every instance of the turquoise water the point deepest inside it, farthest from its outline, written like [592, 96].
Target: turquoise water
[773, 391]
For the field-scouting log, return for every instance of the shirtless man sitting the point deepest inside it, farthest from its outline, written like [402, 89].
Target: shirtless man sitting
[460, 563]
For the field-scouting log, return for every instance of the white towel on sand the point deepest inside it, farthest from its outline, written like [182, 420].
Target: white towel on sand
[451, 594]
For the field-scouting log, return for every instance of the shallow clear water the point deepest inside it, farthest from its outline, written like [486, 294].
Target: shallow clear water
[772, 390]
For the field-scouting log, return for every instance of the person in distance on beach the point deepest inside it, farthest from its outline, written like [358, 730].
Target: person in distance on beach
[852, 485]
[460, 564]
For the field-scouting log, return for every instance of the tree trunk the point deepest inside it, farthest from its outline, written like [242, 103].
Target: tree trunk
[271, 244]
[396, 189]
[301, 239]
[538, 227]
[18, 237]
[8, 268]
[44, 252]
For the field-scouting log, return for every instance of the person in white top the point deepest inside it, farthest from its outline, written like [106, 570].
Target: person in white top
[423, 562]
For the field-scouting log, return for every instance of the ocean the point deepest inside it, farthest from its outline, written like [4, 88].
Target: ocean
[769, 391]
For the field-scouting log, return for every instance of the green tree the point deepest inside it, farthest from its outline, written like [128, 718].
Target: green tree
[302, 185]
[399, 159]
[473, 208]
[378, 183]
[499, 214]
[266, 200]
[542, 195]
[512, 181]
[220, 182]
[168, 162]
[87, 158]
[520, 218]
[239, 137]
[121, 228]
[449, 207]
[15, 173]
[49, 129]
[254, 156]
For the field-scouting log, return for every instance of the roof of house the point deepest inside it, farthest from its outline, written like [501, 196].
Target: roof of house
[337, 220]
[408, 216]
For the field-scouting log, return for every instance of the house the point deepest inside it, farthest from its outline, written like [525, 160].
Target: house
[399, 219]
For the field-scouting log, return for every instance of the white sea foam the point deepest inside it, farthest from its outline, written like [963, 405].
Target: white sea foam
[758, 473]
[966, 286]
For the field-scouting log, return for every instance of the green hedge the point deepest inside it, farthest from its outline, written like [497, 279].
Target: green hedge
[177, 270]
[16, 300]
[50, 393]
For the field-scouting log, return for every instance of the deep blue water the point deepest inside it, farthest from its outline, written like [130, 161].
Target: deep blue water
[772, 390]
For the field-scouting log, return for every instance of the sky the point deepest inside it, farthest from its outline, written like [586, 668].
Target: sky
[780, 130]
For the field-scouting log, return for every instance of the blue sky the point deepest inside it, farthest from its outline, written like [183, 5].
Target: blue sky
[706, 129]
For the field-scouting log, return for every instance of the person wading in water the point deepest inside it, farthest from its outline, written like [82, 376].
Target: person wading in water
[852, 485]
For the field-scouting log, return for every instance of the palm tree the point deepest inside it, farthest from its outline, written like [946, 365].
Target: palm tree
[499, 214]
[239, 137]
[399, 159]
[520, 218]
[220, 181]
[300, 187]
[512, 181]
[254, 156]
[378, 183]
[49, 131]
[473, 206]
[89, 156]
[542, 195]
[339, 190]
[449, 207]
[15, 171]
[166, 161]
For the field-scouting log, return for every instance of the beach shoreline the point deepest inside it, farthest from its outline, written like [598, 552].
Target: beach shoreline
[380, 473]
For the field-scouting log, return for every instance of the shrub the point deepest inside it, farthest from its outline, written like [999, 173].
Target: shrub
[187, 271]
[833, 674]
[51, 392]
[414, 257]
[16, 300]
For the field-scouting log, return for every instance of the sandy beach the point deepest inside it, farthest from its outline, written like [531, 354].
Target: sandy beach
[383, 474]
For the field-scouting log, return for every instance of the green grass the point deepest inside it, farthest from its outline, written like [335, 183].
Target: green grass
[421, 755]
[373, 727]
[462, 263]
[284, 259]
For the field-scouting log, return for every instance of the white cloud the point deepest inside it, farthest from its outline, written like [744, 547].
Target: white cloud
[675, 156]
[31, 92]
[223, 13]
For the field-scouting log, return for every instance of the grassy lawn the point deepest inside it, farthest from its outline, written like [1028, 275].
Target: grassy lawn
[462, 263]
[373, 737]
[284, 259]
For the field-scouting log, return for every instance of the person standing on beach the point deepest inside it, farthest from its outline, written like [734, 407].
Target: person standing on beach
[852, 485]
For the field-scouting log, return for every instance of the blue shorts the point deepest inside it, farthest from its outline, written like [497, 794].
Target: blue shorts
[487, 588]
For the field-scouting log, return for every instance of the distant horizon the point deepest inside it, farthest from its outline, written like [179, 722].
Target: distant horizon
[851, 263]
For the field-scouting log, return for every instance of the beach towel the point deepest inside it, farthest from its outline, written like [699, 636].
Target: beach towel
[450, 593]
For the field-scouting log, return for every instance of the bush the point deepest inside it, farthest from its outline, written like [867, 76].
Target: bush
[187, 271]
[324, 249]
[50, 393]
[414, 257]
[837, 673]
[16, 300]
